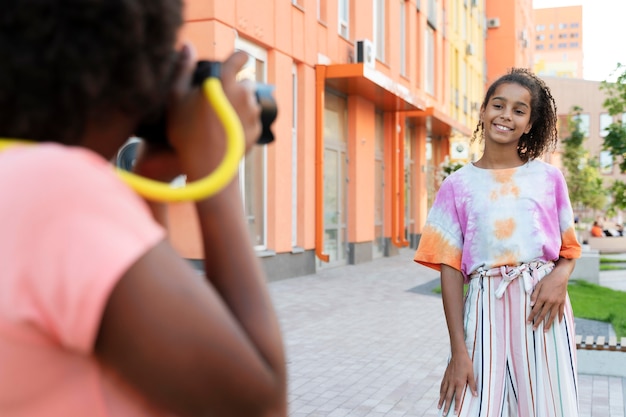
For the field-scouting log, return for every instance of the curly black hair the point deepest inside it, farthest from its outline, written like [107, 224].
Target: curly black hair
[64, 62]
[543, 136]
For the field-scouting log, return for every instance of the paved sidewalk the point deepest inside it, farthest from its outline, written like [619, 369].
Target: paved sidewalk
[370, 340]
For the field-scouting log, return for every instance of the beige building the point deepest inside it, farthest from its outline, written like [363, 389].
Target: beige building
[569, 92]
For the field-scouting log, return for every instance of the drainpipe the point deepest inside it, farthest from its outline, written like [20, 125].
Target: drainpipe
[397, 183]
[401, 184]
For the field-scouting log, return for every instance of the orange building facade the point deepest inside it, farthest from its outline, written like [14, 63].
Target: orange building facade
[363, 92]
[510, 34]
[559, 42]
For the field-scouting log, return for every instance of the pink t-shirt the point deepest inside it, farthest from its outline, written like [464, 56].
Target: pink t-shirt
[69, 229]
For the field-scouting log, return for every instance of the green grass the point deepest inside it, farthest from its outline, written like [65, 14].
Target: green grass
[609, 267]
[612, 264]
[591, 301]
[604, 260]
[594, 302]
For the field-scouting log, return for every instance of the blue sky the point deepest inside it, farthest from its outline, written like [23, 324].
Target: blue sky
[604, 34]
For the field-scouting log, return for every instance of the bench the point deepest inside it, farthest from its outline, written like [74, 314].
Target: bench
[596, 356]
[600, 343]
[608, 244]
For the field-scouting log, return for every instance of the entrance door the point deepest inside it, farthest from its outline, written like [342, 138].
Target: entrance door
[335, 180]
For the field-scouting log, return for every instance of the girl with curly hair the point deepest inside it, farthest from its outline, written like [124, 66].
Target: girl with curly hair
[504, 226]
[99, 315]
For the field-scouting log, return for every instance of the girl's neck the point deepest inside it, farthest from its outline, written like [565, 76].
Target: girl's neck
[499, 161]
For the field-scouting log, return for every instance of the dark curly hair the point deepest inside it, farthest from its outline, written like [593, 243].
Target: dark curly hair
[543, 117]
[64, 62]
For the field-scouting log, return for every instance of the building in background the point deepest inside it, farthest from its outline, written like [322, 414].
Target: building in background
[373, 97]
[559, 42]
[594, 119]
[466, 40]
[370, 95]
[509, 36]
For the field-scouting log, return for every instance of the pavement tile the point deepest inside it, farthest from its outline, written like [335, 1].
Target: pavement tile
[370, 340]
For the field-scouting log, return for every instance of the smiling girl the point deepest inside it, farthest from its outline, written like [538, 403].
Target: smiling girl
[504, 226]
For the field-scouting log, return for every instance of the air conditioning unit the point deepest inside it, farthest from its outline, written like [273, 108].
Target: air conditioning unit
[365, 52]
[493, 23]
[469, 49]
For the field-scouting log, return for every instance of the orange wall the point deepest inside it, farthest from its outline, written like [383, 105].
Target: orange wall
[504, 46]
[293, 35]
[279, 159]
[361, 156]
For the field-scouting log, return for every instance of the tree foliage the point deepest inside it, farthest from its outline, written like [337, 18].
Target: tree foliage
[615, 140]
[583, 177]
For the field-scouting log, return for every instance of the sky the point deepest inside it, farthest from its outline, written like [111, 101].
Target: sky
[604, 34]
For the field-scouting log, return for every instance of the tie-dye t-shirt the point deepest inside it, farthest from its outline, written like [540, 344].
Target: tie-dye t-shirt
[495, 217]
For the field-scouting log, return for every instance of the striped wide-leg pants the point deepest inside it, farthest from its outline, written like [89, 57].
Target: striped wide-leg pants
[519, 372]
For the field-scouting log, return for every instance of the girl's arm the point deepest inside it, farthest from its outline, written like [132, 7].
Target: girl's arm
[548, 297]
[200, 346]
[459, 372]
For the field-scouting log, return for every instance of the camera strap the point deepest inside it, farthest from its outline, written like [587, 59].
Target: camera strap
[196, 190]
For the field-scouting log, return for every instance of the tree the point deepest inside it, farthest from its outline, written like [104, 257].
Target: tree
[583, 178]
[615, 140]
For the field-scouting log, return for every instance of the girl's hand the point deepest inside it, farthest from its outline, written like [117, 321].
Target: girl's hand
[194, 130]
[549, 296]
[459, 373]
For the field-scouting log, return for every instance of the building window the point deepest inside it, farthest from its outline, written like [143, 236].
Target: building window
[321, 10]
[562, 25]
[539, 47]
[574, 35]
[605, 121]
[584, 123]
[403, 38]
[429, 61]
[253, 169]
[562, 45]
[432, 13]
[573, 44]
[540, 28]
[344, 18]
[606, 162]
[574, 25]
[541, 37]
[379, 28]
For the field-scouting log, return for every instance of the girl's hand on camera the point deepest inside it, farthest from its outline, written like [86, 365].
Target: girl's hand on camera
[194, 130]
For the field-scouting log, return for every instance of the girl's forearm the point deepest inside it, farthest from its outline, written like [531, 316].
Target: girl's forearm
[452, 295]
[565, 266]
